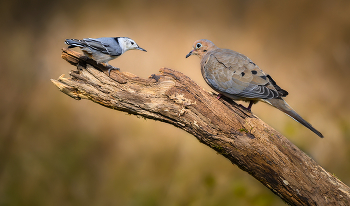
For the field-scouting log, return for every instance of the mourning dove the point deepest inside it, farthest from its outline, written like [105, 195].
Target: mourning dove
[235, 76]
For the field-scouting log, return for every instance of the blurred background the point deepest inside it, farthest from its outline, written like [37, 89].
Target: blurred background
[55, 150]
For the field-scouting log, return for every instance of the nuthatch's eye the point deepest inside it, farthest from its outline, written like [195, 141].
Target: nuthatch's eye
[132, 43]
[199, 45]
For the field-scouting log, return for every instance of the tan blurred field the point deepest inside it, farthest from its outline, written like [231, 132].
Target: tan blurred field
[55, 150]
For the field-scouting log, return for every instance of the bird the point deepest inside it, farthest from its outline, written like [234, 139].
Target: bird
[235, 76]
[104, 49]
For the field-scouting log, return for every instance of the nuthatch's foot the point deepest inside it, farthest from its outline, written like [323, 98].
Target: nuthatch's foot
[111, 68]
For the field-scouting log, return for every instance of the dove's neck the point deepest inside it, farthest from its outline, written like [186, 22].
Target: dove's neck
[208, 52]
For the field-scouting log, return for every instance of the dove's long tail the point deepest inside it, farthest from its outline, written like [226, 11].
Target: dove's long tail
[284, 107]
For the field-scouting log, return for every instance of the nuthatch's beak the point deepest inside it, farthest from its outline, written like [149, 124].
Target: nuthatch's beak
[139, 48]
[189, 54]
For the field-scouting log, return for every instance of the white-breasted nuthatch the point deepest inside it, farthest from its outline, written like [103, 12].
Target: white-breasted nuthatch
[104, 49]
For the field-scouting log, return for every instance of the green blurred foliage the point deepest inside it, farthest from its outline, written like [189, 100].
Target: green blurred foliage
[58, 151]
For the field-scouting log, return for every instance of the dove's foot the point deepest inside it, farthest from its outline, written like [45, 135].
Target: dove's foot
[218, 97]
[246, 108]
[249, 108]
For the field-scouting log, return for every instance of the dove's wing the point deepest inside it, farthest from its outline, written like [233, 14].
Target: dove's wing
[232, 73]
[104, 45]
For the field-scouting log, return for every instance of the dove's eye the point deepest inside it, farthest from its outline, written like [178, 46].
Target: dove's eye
[199, 45]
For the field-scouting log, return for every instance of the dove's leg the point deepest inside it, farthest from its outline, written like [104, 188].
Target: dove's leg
[218, 97]
[249, 106]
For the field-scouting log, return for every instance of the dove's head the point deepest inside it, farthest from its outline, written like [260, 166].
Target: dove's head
[202, 47]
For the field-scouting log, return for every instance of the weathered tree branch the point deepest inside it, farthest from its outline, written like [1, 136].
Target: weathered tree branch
[238, 135]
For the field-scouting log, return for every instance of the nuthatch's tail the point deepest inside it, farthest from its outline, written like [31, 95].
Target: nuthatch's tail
[74, 43]
[284, 107]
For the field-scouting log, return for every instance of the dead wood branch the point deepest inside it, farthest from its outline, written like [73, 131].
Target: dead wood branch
[238, 135]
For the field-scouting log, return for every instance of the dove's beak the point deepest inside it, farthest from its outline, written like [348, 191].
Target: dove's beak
[189, 54]
[139, 48]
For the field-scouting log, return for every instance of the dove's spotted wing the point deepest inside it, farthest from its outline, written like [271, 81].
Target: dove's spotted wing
[232, 73]
[104, 45]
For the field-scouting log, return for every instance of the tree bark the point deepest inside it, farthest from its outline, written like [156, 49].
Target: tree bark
[235, 133]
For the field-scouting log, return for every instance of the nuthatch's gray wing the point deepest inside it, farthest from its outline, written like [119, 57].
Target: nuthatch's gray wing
[105, 45]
